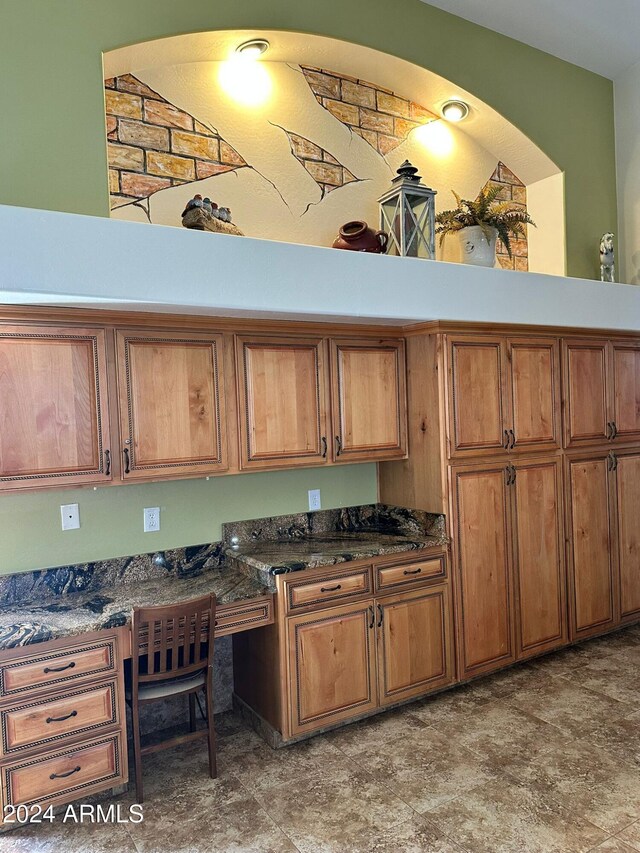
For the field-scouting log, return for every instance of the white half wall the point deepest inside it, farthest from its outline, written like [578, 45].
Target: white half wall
[52, 258]
[627, 113]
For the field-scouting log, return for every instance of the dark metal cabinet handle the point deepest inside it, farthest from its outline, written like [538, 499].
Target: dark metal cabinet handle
[513, 439]
[127, 467]
[414, 572]
[615, 430]
[614, 461]
[373, 616]
[507, 475]
[62, 719]
[48, 669]
[380, 615]
[506, 439]
[609, 431]
[331, 588]
[107, 463]
[338, 445]
[64, 775]
[324, 446]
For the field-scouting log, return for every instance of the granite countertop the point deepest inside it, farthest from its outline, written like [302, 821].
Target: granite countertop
[110, 607]
[279, 556]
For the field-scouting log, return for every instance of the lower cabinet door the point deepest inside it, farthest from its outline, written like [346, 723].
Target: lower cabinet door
[591, 569]
[627, 490]
[539, 561]
[332, 666]
[483, 554]
[414, 644]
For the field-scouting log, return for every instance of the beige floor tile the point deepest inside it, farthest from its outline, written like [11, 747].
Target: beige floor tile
[617, 676]
[331, 811]
[631, 835]
[613, 845]
[569, 707]
[620, 737]
[451, 704]
[427, 769]
[356, 738]
[503, 733]
[589, 782]
[60, 837]
[499, 817]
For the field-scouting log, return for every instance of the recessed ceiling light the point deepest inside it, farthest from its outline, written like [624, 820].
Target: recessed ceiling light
[253, 49]
[455, 110]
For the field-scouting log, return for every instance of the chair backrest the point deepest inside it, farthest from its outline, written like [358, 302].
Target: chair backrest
[173, 640]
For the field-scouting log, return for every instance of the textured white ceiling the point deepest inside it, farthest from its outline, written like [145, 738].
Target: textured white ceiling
[600, 35]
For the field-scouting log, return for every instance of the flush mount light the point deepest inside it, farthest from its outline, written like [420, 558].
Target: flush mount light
[455, 110]
[253, 49]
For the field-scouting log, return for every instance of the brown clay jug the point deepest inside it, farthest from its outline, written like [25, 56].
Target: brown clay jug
[358, 237]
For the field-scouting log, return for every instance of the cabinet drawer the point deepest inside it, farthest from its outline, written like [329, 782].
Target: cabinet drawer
[48, 721]
[37, 671]
[410, 574]
[243, 615]
[301, 594]
[57, 775]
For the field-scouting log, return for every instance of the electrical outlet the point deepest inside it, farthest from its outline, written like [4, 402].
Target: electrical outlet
[70, 516]
[151, 519]
[314, 500]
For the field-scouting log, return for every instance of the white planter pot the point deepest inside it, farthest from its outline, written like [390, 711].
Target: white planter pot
[475, 248]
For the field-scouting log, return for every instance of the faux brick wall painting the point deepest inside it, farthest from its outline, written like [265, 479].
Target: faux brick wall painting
[153, 145]
[325, 170]
[511, 189]
[378, 115]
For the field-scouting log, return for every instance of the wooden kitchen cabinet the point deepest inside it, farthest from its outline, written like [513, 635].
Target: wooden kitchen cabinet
[54, 420]
[172, 403]
[483, 559]
[283, 401]
[592, 580]
[415, 649]
[332, 661]
[625, 477]
[602, 391]
[369, 404]
[504, 394]
[540, 576]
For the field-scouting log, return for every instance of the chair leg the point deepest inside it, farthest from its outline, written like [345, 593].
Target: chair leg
[137, 757]
[211, 739]
[192, 712]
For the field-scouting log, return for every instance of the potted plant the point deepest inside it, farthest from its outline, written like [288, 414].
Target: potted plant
[480, 223]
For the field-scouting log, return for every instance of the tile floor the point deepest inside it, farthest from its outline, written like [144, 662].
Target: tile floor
[543, 758]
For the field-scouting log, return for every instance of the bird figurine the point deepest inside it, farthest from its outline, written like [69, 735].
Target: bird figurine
[224, 214]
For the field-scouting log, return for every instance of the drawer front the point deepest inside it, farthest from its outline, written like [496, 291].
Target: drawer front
[37, 671]
[410, 574]
[338, 587]
[46, 722]
[65, 774]
[240, 617]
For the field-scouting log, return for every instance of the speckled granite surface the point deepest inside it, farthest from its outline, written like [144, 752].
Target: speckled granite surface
[273, 546]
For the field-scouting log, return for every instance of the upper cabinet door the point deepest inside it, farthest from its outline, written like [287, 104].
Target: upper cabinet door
[478, 409]
[369, 399]
[625, 414]
[586, 392]
[54, 423]
[282, 401]
[534, 380]
[172, 417]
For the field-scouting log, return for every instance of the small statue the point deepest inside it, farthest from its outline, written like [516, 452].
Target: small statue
[203, 214]
[607, 259]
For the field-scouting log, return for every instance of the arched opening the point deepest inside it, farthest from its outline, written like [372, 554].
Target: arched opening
[307, 138]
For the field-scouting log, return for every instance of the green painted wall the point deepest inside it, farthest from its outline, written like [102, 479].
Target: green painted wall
[191, 513]
[52, 135]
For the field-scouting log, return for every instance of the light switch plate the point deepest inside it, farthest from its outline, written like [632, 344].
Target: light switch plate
[314, 500]
[151, 519]
[70, 514]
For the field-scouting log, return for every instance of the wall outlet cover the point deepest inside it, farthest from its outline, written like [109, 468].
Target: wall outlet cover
[314, 500]
[151, 519]
[70, 514]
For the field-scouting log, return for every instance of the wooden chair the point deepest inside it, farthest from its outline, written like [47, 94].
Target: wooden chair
[172, 655]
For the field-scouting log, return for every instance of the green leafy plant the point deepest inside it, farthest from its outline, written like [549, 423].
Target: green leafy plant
[505, 216]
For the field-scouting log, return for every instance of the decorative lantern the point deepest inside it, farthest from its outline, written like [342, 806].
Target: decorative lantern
[407, 214]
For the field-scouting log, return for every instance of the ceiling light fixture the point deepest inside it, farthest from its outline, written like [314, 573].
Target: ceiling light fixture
[455, 110]
[253, 49]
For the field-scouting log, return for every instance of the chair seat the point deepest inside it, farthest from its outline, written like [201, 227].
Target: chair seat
[171, 687]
